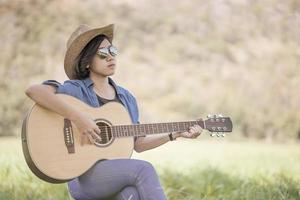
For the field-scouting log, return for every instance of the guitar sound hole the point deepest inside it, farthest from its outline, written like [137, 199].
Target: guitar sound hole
[106, 134]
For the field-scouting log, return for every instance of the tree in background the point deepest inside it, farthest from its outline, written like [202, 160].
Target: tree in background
[240, 58]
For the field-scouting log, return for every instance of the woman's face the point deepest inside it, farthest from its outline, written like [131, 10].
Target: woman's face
[103, 67]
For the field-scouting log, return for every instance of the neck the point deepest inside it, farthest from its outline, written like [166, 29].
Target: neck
[156, 128]
[100, 82]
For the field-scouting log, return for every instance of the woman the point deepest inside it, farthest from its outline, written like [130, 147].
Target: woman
[90, 60]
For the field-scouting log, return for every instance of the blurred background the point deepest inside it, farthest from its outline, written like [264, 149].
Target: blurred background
[182, 60]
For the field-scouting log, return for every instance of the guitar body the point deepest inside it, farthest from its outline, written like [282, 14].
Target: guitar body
[44, 141]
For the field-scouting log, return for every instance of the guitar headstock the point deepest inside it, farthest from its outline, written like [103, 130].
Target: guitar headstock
[218, 125]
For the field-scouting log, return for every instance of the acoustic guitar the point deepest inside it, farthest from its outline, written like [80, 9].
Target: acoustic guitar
[52, 145]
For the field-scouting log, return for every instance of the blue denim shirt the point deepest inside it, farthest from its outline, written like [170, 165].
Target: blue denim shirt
[83, 90]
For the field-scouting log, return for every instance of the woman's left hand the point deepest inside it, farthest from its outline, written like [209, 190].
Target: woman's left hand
[194, 132]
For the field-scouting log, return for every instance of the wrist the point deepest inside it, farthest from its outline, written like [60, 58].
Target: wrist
[75, 115]
[173, 136]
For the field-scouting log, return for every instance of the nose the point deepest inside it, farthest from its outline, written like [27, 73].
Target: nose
[109, 57]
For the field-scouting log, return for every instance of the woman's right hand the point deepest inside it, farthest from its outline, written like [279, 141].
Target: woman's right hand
[87, 127]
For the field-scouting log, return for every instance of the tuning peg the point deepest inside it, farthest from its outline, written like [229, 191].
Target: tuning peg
[220, 115]
[218, 135]
[215, 116]
[209, 116]
[223, 134]
[212, 134]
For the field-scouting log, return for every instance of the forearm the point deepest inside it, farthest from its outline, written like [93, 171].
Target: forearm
[45, 96]
[150, 142]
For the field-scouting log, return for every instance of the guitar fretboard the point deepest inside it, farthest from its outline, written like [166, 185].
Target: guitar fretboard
[149, 129]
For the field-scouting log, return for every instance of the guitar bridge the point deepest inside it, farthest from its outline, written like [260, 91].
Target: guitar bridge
[68, 136]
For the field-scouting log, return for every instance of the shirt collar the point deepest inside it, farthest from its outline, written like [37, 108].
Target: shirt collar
[88, 82]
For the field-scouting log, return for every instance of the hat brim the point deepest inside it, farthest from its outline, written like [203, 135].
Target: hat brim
[80, 42]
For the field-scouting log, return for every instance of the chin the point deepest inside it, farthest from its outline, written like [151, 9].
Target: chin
[110, 74]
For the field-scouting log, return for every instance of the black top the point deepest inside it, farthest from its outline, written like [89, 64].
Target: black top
[103, 101]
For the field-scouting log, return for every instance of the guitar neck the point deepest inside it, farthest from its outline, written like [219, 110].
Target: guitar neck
[151, 129]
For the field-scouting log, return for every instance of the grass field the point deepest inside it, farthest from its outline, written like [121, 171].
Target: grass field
[198, 169]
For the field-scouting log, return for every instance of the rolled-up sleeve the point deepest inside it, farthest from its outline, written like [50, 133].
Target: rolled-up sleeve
[69, 87]
[53, 83]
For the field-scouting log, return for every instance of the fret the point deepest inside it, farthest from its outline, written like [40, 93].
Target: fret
[125, 130]
[123, 127]
[121, 130]
[154, 128]
[151, 129]
[117, 131]
[137, 129]
[173, 127]
[129, 129]
[113, 131]
[176, 126]
[170, 129]
[159, 128]
[133, 129]
[142, 129]
[165, 127]
[181, 126]
[186, 126]
[146, 128]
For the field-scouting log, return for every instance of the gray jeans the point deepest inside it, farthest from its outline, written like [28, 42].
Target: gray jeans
[119, 179]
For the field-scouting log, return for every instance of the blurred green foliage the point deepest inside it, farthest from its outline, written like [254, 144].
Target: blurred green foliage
[206, 170]
[182, 60]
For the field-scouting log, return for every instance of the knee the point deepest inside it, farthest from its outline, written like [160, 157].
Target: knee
[146, 166]
[129, 192]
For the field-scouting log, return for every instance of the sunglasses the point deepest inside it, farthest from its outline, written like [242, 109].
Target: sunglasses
[103, 53]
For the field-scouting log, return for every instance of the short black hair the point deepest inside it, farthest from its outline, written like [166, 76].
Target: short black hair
[86, 55]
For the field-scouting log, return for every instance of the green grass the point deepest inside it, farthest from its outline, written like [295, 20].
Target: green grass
[198, 169]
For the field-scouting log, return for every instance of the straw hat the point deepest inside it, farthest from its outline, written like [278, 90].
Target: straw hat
[79, 39]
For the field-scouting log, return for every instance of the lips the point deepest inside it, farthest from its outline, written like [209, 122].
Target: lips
[111, 65]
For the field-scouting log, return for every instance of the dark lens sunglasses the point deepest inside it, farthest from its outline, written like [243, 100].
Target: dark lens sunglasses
[104, 52]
